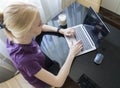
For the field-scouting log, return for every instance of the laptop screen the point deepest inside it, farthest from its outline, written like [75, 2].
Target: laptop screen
[99, 28]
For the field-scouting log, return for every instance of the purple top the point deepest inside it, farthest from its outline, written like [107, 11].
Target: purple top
[28, 59]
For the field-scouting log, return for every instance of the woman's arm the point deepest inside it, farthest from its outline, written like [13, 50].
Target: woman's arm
[48, 28]
[58, 81]
[66, 32]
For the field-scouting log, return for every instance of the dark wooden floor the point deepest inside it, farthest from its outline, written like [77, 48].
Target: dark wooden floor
[110, 17]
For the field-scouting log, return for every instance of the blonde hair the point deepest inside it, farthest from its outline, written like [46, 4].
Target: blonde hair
[18, 18]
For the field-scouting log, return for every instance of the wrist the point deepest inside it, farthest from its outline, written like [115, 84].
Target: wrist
[71, 54]
[60, 30]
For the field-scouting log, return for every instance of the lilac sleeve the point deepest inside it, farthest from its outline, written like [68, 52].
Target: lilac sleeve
[31, 68]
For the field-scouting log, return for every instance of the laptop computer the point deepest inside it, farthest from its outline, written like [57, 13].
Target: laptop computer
[91, 32]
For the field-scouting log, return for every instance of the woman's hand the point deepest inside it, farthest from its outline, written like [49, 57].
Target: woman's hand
[76, 47]
[67, 32]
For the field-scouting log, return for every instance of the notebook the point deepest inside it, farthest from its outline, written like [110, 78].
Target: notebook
[91, 32]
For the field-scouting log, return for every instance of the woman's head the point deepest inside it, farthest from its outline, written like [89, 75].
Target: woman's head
[18, 18]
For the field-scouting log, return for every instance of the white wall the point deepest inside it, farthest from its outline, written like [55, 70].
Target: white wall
[112, 5]
[118, 9]
[4, 3]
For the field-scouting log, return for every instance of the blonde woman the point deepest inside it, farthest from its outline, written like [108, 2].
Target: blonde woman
[21, 23]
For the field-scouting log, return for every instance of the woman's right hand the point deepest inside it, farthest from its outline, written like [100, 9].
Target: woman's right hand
[76, 47]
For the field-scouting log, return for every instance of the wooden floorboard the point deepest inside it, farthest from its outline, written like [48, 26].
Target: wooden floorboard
[110, 17]
[3, 85]
[16, 82]
[23, 83]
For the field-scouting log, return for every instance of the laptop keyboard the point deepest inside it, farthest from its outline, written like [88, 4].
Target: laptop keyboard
[80, 35]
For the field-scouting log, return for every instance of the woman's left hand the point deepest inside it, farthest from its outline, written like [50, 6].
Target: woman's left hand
[68, 32]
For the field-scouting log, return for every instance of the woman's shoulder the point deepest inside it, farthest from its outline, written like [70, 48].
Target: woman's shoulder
[21, 57]
[11, 46]
[18, 50]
